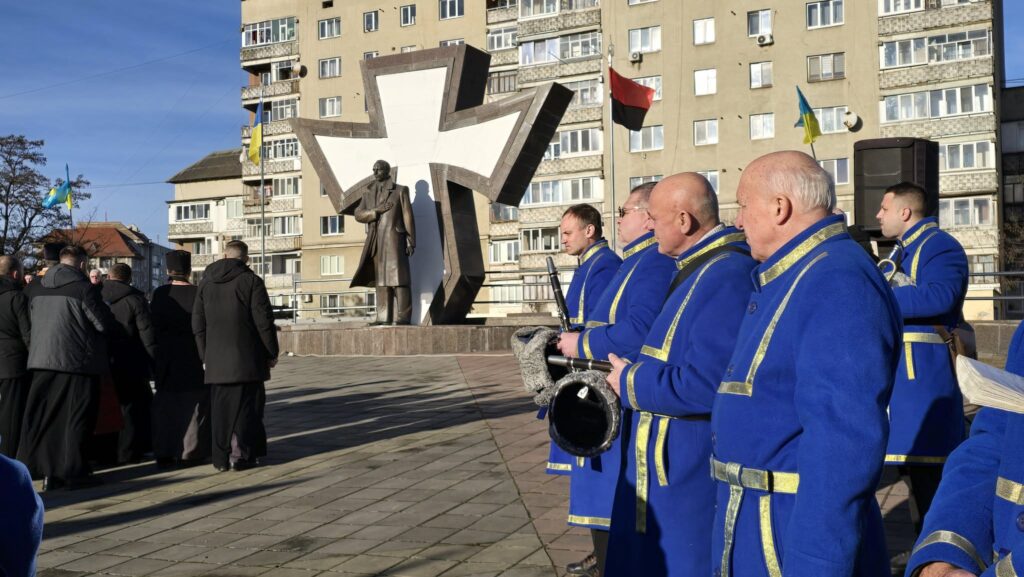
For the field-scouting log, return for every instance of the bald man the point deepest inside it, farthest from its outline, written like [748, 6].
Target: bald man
[665, 501]
[799, 425]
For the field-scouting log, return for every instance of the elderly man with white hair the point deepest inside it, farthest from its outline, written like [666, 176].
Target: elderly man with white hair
[799, 422]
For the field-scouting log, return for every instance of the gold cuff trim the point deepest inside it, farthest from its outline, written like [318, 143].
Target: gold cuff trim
[559, 466]
[630, 386]
[956, 540]
[756, 479]
[907, 241]
[639, 247]
[736, 388]
[771, 558]
[810, 243]
[915, 459]
[1011, 491]
[659, 451]
[587, 354]
[594, 324]
[643, 437]
[581, 520]
[1004, 568]
[930, 338]
[662, 353]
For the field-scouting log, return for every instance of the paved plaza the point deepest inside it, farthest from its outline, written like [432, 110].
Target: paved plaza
[405, 466]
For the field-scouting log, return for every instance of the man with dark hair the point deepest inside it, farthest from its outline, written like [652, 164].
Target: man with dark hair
[15, 330]
[926, 410]
[67, 355]
[132, 352]
[234, 328]
[181, 408]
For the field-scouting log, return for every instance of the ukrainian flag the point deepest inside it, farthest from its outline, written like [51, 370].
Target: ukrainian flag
[256, 138]
[59, 194]
[807, 119]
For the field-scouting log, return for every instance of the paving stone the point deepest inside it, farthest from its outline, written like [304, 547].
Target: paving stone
[371, 564]
[140, 566]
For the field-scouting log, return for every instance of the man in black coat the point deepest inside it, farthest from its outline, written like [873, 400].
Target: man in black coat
[236, 337]
[132, 350]
[67, 355]
[15, 330]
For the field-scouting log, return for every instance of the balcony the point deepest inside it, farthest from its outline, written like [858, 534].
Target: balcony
[546, 72]
[935, 73]
[550, 214]
[583, 114]
[281, 281]
[981, 123]
[568, 165]
[505, 57]
[258, 54]
[271, 167]
[274, 243]
[251, 94]
[251, 205]
[565, 20]
[190, 229]
[496, 15]
[203, 260]
[922, 20]
[269, 129]
[970, 181]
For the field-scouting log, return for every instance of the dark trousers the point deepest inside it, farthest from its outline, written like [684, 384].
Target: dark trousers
[60, 416]
[13, 395]
[237, 422]
[600, 539]
[923, 483]
[403, 304]
[135, 439]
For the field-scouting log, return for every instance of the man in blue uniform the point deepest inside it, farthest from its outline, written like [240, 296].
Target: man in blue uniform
[976, 522]
[623, 317]
[665, 500]
[582, 236]
[926, 411]
[799, 424]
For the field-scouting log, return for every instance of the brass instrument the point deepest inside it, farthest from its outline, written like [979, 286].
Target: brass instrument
[580, 364]
[887, 262]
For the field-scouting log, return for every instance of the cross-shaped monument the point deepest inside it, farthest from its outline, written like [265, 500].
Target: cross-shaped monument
[427, 118]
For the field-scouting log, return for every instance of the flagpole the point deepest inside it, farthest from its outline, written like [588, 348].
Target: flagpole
[611, 147]
[814, 154]
[263, 200]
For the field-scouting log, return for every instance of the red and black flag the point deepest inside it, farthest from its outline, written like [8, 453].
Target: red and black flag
[630, 100]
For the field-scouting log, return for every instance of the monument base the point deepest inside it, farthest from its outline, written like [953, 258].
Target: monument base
[343, 339]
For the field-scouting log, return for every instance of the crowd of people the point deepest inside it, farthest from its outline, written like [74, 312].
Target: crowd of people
[768, 372]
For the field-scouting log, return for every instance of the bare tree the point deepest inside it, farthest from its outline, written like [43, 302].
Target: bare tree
[23, 220]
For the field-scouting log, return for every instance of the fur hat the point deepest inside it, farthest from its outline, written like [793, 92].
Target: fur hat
[529, 345]
[585, 414]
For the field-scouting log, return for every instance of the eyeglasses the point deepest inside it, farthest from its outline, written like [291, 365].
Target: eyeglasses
[625, 210]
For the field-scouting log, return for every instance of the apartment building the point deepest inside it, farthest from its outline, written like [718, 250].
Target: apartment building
[725, 76]
[110, 242]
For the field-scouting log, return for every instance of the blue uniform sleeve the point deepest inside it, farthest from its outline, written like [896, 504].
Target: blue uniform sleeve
[598, 281]
[687, 386]
[22, 512]
[941, 280]
[841, 395]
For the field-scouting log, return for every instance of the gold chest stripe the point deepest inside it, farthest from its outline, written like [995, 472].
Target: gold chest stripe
[578, 319]
[917, 258]
[662, 353]
[918, 233]
[734, 237]
[643, 437]
[618, 294]
[638, 248]
[776, 270]
[746, 388]
[956, 540]
[1010, 491]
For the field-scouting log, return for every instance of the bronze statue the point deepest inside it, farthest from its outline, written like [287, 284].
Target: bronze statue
[390, 240]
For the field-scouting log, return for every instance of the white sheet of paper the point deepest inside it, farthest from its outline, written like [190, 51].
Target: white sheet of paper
[988, 386]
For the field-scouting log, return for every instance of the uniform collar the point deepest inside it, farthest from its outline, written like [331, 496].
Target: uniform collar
[915, 232]
[720, 236]
[799, 247]
[646, 240]
[592, 250]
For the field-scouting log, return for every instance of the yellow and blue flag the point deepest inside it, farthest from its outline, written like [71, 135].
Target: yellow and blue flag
[256, 138]
[807, 119]
[60, 194]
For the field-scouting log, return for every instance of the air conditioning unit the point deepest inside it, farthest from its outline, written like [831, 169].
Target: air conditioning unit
[765, 40]
[635, 57]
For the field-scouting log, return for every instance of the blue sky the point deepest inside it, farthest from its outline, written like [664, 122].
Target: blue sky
[128, 128]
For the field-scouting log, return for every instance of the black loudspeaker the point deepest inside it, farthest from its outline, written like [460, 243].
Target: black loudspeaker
[882, 162]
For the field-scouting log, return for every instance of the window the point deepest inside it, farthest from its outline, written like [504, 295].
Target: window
[332, 265]
[540, 240]
[539, 51]
[762, 126]
[330, 67]
[966, 156]
[268, 32]
[501, 82]
[826, 67]
[903, 53]
[184, 212]
[581, 4]
[651, 82]
[759, 22]
[839, 168]
[288, 186]
[561, 191]
[252, 227]
[330, 106]
[323, 190]
[332, 225]
[407, 15]
[529, 8]
[705, 82]
[371, 21]
[233, 207]
[501, 38]
[204, 246]
[981, 264]
[635, 181]
[503, 212]
[504, 251]
[578, 142]
[370, 55]
[409, 48]
[635, 2]
[580, 45]
[287, 225]
[285, 148]
[585, 93]
[280, 109]
[705, 132]
[504, 292]
[450, 9]
[886, 7]
[830, 119]
[971, 211]
[824, 13]
[452, 42]
[760, 74]
[330, 28]
[703, 31]
[647, 138]
[959, 46]
[937, 103]
[645, 39]
[712, 176]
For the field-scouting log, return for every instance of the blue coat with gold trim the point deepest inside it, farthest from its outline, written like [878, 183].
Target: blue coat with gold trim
[665, 500]
[799, 425]
[598, 265]
[624, 315]
[926, 411]
[976, 521]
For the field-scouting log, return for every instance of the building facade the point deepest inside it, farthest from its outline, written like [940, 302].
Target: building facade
[110, 243]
